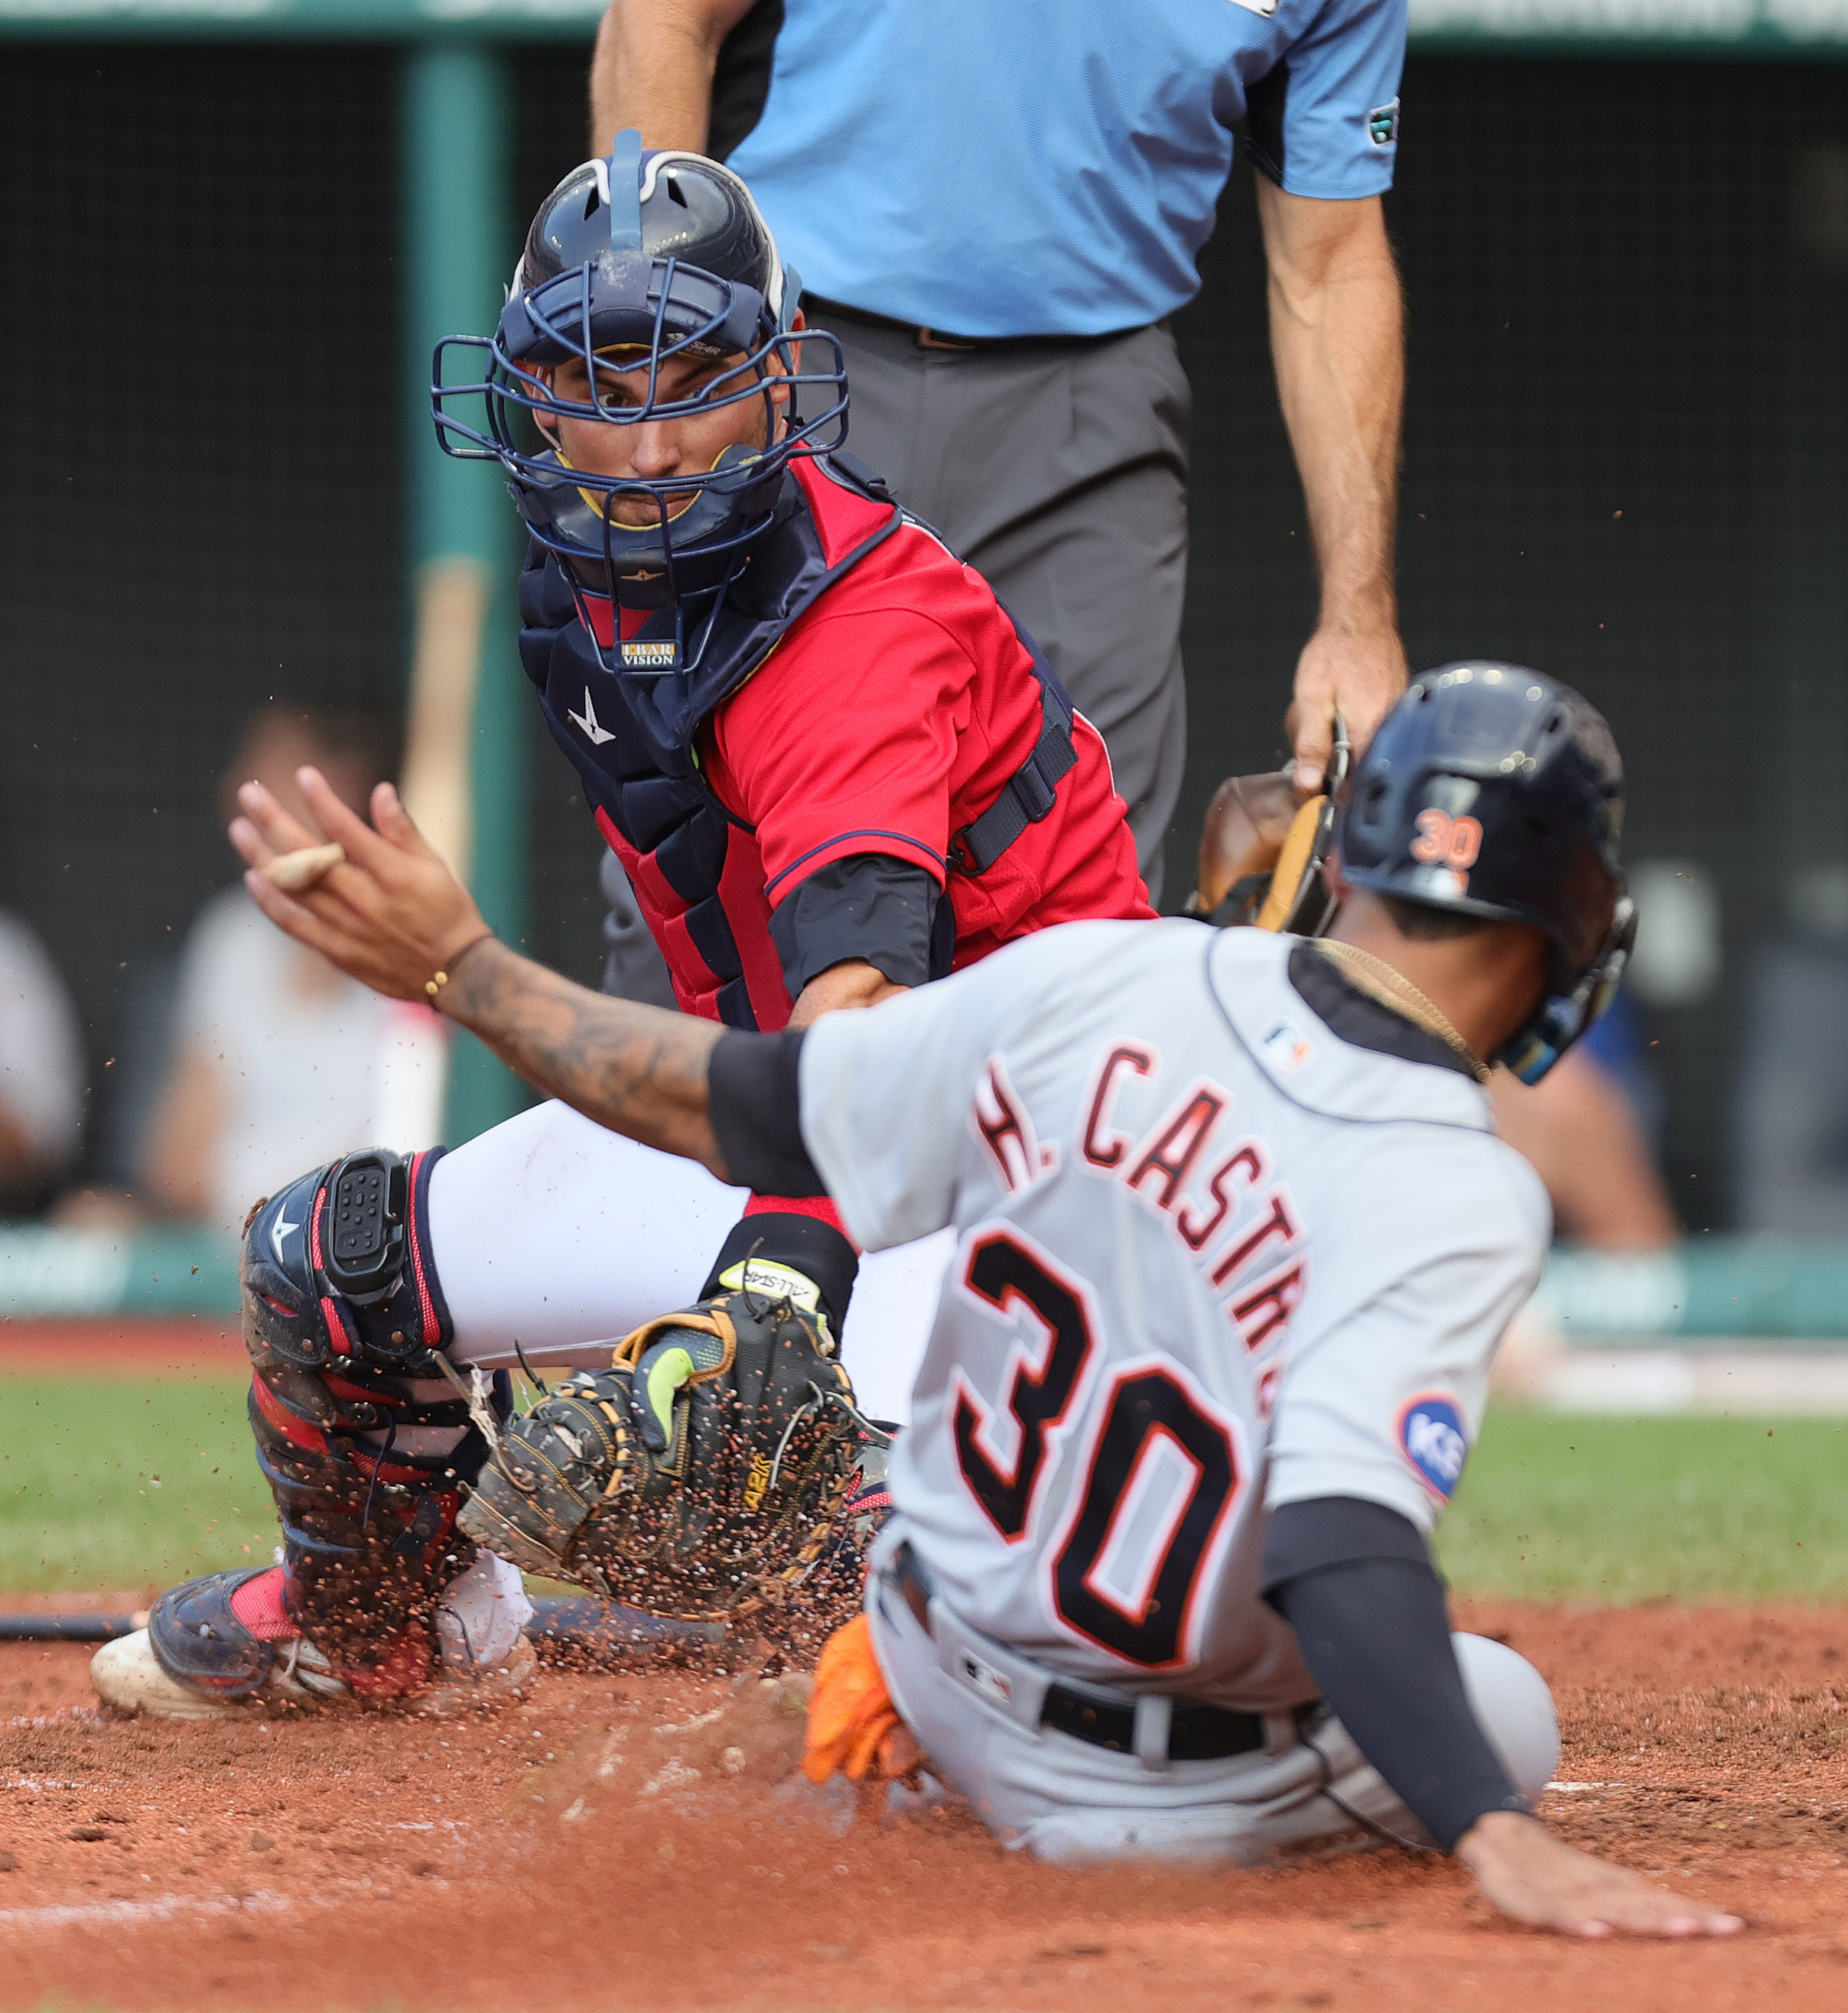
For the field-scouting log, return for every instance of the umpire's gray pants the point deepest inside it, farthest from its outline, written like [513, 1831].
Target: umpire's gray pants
[975, 1708]
[1060, 472]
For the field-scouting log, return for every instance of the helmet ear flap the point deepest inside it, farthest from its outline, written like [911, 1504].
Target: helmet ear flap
[1563, 1018]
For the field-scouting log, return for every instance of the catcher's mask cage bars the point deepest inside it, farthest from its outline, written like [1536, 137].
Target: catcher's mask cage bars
[704, 524]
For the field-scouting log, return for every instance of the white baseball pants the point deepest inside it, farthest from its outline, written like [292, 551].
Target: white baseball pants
[551, 1232]
[975, 1708]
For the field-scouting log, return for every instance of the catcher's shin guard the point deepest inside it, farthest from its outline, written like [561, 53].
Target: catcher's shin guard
[366, 1449]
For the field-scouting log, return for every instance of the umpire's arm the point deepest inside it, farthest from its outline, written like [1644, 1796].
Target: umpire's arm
[1337, 341]
[653, 69]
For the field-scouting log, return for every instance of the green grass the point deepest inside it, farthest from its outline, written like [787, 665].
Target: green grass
[1551, 1508]
[1555, 1507]
[127, 1483]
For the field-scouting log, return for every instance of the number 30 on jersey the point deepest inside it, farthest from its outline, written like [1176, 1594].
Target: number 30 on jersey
[1158, 1475]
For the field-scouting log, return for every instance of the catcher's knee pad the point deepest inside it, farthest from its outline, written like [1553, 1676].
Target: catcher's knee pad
[366, 1447]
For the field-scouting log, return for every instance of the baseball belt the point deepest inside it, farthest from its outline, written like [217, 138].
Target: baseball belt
[941, 338]
[1198, 1731]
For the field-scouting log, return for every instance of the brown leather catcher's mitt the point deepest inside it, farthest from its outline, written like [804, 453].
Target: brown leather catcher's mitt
[1262, 853]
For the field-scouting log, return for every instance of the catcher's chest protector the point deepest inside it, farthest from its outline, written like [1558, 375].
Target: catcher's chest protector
[696, 871]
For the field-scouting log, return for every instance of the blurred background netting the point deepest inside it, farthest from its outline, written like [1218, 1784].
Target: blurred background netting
[1627, 462]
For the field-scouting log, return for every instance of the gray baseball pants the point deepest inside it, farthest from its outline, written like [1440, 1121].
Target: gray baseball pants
[1059, 471]
[975, 1708]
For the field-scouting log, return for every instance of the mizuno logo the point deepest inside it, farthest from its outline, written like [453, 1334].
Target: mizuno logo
[280, 1228]
[588, 720]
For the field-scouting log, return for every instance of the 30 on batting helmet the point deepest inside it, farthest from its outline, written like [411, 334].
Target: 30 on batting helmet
[631, 262]
[1494, 790]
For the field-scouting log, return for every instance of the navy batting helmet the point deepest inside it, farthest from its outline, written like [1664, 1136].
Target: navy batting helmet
[1493, 791]
[631, 262]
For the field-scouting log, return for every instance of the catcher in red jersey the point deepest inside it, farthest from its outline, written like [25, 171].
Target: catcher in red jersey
[835, 769]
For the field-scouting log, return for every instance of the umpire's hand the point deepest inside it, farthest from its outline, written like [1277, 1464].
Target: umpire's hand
[1358, 675]
[375, 899]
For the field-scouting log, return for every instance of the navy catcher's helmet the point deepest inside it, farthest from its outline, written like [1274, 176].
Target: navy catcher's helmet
[1492, 791]
[632, 261]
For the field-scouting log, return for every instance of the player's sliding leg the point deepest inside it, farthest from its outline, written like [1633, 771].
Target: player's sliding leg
[1073, 1772]
[367, 1447]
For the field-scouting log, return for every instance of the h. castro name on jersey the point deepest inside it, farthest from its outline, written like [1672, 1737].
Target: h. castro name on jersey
[1215, 1187]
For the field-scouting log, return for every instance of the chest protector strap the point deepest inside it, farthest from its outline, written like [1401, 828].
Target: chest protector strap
[1029, 794]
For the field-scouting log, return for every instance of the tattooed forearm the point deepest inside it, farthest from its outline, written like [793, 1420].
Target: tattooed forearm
[636, 1069]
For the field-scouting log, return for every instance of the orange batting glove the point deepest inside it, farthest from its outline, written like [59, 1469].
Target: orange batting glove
[854, 1729]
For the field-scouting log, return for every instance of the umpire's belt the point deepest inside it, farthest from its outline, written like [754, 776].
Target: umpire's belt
[1196, 1731]
[941, 338]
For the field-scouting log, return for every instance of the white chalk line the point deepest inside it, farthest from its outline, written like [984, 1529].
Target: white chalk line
[160, 1908]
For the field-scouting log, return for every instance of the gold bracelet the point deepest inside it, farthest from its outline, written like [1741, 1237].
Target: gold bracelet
[433, 986]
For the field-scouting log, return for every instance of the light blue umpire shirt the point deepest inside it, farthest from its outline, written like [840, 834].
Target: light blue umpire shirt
[1051, 167]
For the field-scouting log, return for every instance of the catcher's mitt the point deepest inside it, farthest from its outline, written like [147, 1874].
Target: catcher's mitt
[701, 1477]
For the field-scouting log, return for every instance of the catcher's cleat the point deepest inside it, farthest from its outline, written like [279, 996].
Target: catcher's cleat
[216, 1648]
[223, 1646]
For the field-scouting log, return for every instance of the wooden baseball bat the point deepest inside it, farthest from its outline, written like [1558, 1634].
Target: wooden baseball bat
[453, 597]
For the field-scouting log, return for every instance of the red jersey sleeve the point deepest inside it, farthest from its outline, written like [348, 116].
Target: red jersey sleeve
[845, 742]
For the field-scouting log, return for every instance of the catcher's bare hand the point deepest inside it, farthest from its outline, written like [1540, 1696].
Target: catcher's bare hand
[1358, 674]
[1538, 1878]
[384, 907]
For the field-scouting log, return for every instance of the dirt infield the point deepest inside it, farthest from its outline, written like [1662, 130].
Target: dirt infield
[632, 1840]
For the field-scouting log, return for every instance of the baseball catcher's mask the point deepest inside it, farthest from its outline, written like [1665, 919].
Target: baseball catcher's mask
[701, 1477]
[632, 261]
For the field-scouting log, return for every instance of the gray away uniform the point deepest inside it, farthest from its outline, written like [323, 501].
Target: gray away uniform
[1212, 1260]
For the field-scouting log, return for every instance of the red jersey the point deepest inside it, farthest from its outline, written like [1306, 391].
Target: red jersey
[887, 718]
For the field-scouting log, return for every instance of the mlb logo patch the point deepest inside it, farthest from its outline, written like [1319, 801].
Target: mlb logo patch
[1431, 1438]
[1286, 1048]
[987, 1679]
[1382, 124]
